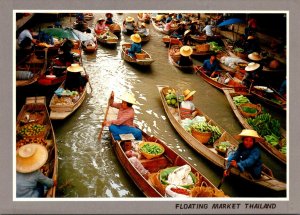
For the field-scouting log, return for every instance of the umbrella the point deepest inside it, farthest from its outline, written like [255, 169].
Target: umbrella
[230, 22]
[60, 33]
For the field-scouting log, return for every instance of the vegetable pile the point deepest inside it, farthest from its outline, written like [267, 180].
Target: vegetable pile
[239, 50]
[237, 100]
[171, 98]
[151, 149]
[249, 110]
[223, 146]
[214, 46]
[205, 127]
[33, 129]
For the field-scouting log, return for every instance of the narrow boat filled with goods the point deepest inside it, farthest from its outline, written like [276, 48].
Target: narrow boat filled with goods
[206, 137]
[142, 59]
[107, 38]
[34, 127]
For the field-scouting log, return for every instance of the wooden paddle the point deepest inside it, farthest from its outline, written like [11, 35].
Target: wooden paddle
[223, 178]
[108, 104]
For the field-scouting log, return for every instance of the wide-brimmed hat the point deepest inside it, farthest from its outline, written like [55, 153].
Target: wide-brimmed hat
[248, 133]
[186, 51]
[129, 97]
[109, 14]
[187, 93]
[143, 24]
[129, 19]
[250, 37]
[252, 66]
[100, 19]
[75, 67]
[31, 157]
[255, 56]
[136, 38]
[186, 32]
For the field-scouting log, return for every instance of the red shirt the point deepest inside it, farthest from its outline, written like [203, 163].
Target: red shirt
[125, 116]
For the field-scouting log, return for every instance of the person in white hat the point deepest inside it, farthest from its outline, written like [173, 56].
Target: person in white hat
[187, 40]
[74, 80]
[100, 27]
[252, 45]
[129, 25]
[187, 107]
[124, 122]
[252, 74]
[136, 46]
[142, 30]
[30, 180]
[185, 53]
[247, 156]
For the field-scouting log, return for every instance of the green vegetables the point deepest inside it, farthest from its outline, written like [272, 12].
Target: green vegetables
[265, 125]
[214, 46]
[249, 110]
[205, 127]
[272, 139]
[223, 146]
[240, 100]
[33, 129]
[276, 101]
[151, 149]
[283, 150]
[239, 50]
[171, 98]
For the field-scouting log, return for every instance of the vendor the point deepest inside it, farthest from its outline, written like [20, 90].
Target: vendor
[211, 66]
[208, 29]
[185, 53]
[252, 74]
[252, 45]
[31, 182]
[142, 31]
[187, 107]
[124, 122]
[74, 80]
[179, 32]
[136, 46]
[66, 58]
[129, 24]
[187, 40]
[109, 20]
[168, 25]
[100, 27]
[25, 39]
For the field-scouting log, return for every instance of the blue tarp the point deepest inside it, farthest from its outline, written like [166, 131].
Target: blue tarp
[231, 21]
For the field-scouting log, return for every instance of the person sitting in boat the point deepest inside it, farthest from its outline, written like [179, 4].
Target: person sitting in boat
[129, 24]
[252, 74]
[179, 32]
[187, 40]
[168, 25]
[124, 122]
[185, 53]
[30, 181]
[247, 156]
[109, 20]
[187, 107]
[211, 66]
[74, 80]
[208, 30]
[142, 31]
[193, 28]
[100, 26]
[252, 45]
[136, 46]
[179, 16]
[25, 39]
[66, 58]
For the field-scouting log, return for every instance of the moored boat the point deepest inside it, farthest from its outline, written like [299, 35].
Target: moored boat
[159, 26]
[174, 57]
[147, 172]
[115, 29]
[34, 113]
[209, 151]
[145, 39]
[274, 150]
[142, 59]
[107, 38]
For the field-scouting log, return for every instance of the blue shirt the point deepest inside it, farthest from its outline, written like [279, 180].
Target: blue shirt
[135, 48]
[210, 68]
[27, 183]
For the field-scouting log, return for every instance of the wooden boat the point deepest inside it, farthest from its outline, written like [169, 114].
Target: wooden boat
[89, 47]
[115, 29]
[225, 80]
[200, 50]
[199, 38]
[146, 20]
[35, 111]
[209, 152]
[107, 38]
[61, 109]
[159, 26]
[30, 70]
[230, 93]
[147, 183]
[145, 60]
[174, 57]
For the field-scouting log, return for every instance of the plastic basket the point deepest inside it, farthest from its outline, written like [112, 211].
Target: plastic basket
[148, 155]
[202, 137]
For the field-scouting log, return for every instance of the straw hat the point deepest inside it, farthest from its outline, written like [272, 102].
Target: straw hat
[255, 56]
[129, 19]
[109, 14]
[186, 32]
[75, 67]
[144, 24]
[136, 38]
[186, 51]
[250, 37]
[187, 93]
[248, 133]
[252, 66]
[100, 19]
[129, 97]
[31, 157]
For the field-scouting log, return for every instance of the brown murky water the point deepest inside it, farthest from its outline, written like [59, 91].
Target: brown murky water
[88, 168]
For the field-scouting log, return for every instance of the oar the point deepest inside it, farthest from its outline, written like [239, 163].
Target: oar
[223, 178]
[108, 104]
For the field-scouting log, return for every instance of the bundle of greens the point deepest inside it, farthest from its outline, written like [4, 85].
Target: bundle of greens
[237, 100]
[205, 127]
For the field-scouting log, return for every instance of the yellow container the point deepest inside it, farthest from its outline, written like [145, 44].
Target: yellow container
[148, 155]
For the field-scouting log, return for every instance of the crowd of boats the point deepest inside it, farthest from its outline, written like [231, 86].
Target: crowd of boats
[42, 65]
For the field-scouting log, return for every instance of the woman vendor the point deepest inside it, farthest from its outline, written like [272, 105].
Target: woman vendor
[74, 80]
[109, 20]
[124, 122]
[136, 46]
[185, 53]
[247, 155]
[30, 181]
[100, 26]
[252, 74]
[129, 25]
[187, 107]
[211, 66]
[142, 31]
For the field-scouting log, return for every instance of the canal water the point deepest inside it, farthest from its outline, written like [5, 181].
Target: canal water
[88, 168]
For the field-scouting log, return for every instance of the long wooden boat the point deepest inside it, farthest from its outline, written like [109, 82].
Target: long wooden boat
[209, 152]
[90, 47]
[174, 57]
[159, 26]
[107, 38]
[29, 71]
[147, 20]
[199, 38]
[149, 183]
[225, 80]
[35, 111]
[142, 62]
[61, 109]
[230, 93]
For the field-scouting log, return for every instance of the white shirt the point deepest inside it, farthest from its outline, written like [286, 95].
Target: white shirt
[188, 105]
[208, 30]
[25, 33]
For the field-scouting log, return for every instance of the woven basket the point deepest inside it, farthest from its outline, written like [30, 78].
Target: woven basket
[203, 48]
[202, 137]
[250, 105]
[140, 56]
[150, 156]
